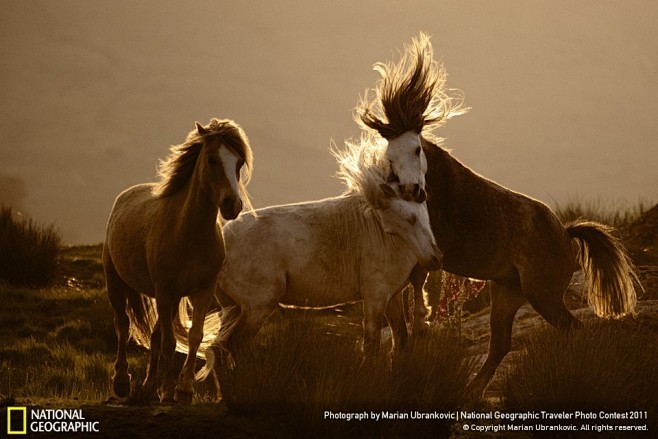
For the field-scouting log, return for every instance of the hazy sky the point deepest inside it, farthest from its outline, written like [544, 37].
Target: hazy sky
[564, 94]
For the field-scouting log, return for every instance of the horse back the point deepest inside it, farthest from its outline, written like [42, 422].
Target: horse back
[484, 229]
[304, 254]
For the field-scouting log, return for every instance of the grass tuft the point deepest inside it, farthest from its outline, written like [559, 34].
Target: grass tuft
[615, 215]
[300, 368]
[595, 368]
[28, 251]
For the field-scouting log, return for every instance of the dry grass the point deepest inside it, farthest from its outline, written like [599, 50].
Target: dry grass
[301, 368]
[609, 366]
[57, 342]
[28, 251]
[617, 215]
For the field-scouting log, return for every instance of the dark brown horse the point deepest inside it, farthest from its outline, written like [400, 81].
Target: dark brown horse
[487, 231]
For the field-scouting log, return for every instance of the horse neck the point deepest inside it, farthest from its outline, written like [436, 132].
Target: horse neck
[196, 211]
[368, 223]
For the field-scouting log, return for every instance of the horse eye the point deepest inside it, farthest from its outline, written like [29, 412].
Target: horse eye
[213, 160]
[418, 150]
[413, 219]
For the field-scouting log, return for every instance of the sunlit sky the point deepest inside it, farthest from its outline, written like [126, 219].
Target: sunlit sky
[564, 95]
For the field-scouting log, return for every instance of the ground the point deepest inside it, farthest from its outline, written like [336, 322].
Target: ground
[81, 271]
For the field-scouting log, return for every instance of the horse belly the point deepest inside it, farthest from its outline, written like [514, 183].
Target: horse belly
[313, 287]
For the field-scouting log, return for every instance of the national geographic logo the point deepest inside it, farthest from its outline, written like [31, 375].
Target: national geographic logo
[16, 420]
[21, 421]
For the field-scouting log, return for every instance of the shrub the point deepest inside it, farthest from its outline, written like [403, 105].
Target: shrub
[28, 251]
[607, 366]
[617, 216]
[300, 368]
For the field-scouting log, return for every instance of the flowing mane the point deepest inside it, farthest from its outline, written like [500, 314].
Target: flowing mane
[363, 167]
[411, 95]
[177, 168]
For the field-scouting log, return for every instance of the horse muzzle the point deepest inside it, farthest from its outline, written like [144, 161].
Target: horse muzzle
[413, 192]
[230, 208]
[435, 261]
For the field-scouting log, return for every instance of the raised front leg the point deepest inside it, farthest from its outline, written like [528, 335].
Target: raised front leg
[200, 305]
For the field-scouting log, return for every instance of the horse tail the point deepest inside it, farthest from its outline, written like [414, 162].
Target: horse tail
[610, 276]
[143, 317]
[212, 325]
[224, 324]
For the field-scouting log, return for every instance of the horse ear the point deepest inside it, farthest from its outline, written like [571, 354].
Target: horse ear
[200, 129]
[388, 191]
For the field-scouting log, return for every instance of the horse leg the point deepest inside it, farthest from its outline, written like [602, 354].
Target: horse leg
[395, 316]
[417, 279]
[200, 305]
[433, 289]
[166, 309]
[547, 298]
[239, 327]
[150, 382]
[373, 311]
[117, 294]
[506, 299]
[251, 320]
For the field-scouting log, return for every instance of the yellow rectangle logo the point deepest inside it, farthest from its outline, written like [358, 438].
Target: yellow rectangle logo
[13, 428]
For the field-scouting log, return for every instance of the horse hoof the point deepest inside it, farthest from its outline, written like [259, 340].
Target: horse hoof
[122, 386]
[183, 397]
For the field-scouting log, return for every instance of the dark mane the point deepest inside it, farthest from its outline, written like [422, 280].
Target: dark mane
[411, 94]
[177, 168]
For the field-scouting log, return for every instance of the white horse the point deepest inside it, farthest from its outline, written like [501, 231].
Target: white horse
[163, 241]
[361, 245]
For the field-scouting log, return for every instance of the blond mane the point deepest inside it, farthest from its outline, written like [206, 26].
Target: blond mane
[177, 168]
[363, 167]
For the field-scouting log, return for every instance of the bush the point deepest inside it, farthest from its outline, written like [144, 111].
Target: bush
[28, 251]
[607, 366]
[300, 368]
[617, 216]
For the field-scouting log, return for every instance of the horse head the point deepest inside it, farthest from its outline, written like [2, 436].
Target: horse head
[410, 99]
[409, 221]
[408, 166]
[225, 153]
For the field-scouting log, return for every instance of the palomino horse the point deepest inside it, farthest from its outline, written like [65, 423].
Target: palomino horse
[163, 241]
[361, 245]
[486, 231]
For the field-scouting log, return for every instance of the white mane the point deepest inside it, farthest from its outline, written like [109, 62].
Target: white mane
[363, 167]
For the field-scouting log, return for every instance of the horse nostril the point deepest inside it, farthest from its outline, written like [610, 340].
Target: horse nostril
[230, 209]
